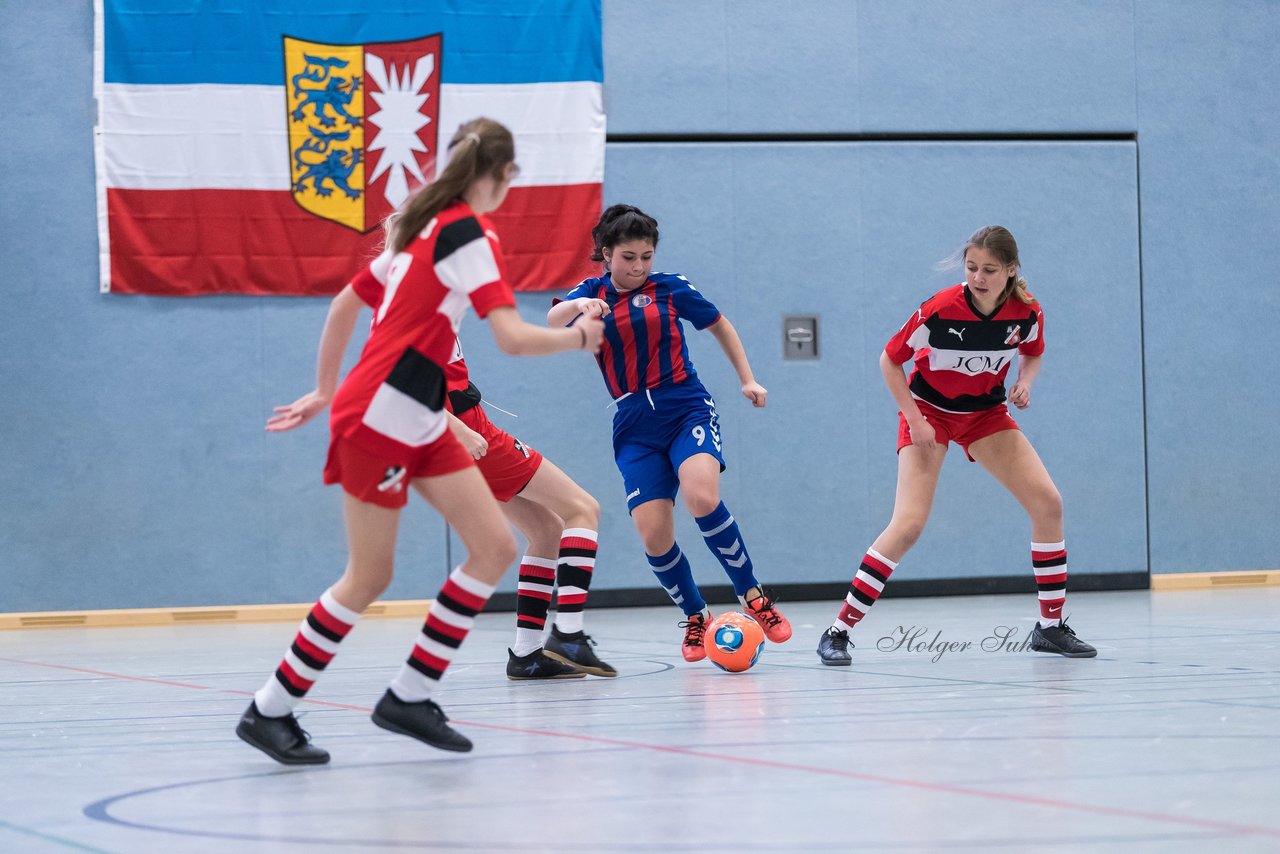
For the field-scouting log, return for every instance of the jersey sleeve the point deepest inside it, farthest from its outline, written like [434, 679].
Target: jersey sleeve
[691, 305]
[1033, 344]
[466, 260]
[913, 336]
[370, 283]
[585, 288]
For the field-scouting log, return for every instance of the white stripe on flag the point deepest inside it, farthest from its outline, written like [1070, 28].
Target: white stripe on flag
[235, 137]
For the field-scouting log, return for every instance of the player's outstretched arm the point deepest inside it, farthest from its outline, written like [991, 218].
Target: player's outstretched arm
[729, 341]
[564, 313]
[338, 327]
[517, 338]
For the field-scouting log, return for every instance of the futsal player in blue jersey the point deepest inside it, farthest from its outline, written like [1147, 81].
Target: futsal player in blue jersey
[666, 434]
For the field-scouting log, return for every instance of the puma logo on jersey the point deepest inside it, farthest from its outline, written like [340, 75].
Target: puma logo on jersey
[393, 480]
[959, 333]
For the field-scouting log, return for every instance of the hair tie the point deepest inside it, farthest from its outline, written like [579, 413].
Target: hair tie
[473, 136]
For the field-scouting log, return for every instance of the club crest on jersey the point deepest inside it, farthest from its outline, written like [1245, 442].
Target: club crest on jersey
[519, 446]
[1013, 335]
[362, 125]
[641, 300]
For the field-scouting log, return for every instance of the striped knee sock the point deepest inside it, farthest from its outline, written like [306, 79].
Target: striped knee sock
[573, 577]
[452, 615]
[676, 577]
[1049, 561]
[314, 647]
[533, 599]
[868, 583]
[720, 533]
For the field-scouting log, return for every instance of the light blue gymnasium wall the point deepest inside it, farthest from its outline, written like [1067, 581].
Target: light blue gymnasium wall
[136, 473]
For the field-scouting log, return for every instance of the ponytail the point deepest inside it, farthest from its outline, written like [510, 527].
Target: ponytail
[479, 147]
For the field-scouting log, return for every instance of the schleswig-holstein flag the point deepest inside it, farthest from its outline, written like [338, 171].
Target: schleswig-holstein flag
[254, 146]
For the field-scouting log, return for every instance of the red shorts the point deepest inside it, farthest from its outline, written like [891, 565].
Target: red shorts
[509, 464]
[963, 428]
[378, 480]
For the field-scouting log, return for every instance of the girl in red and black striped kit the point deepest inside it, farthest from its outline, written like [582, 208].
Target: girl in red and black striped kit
[963, 340]
[390, 434]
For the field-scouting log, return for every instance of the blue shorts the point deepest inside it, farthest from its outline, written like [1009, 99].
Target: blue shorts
[655, 431]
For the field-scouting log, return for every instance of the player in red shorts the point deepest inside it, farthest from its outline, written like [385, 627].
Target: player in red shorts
[558, 518]
[963, 340]
[390, 433]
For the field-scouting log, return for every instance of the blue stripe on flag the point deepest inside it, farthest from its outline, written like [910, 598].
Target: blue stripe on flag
[240, 42]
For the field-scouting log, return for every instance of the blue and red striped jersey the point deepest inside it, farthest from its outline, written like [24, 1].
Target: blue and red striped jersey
[644, 344]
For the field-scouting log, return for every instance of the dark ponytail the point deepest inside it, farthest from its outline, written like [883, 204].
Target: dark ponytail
[619, 224]
[480, 147]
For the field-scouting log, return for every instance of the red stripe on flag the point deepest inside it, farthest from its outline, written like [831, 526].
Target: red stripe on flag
[201, 242]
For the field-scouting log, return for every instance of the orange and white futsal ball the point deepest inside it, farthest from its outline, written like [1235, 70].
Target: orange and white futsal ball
[734, 641]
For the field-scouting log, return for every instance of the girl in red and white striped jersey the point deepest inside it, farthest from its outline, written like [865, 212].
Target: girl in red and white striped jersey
[963, 340]
[390, 433]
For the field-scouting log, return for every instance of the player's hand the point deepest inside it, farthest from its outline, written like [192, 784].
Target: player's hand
[923, 434]
[755, 393]
[1020, 395]
[475, 444]
[589, 307]
[297, 413]
[593, 330]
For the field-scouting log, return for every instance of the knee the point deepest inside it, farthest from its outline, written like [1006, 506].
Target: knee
[701, 500]
[1047, 505]
[587, 509]
[497, 550]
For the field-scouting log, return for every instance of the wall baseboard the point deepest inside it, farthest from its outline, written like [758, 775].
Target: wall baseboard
[717, 595]
[193, 616]
[1214, 580]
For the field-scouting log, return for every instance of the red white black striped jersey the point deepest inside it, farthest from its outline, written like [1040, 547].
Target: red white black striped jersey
[393, 399]
[961, 355]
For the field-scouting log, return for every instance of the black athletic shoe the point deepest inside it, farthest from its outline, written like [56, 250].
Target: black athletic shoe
[833, 648]
[1060, 640]
[283, 739]
[575, 650]
[537, 665]
[424, 721]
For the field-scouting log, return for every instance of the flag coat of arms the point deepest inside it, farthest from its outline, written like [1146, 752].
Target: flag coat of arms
[255, 147]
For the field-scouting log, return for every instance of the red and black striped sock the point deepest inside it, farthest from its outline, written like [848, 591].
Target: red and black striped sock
[573, 577]
[314, 647]
[451, 617]
[1049, 561]
[533, 600]
[868, 583]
